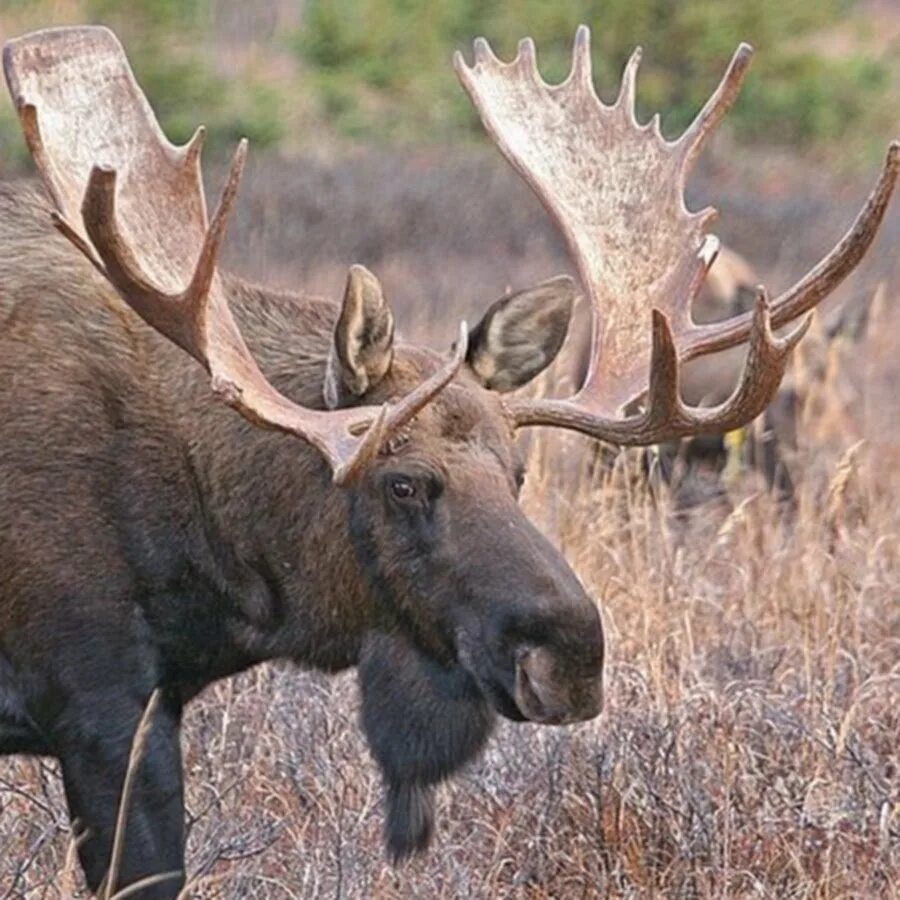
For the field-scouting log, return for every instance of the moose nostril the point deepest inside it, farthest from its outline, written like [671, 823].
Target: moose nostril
[526, 696]
[538, 695]
[546, 692]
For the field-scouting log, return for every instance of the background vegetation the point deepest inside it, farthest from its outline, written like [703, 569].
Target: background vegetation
[381, 65]
[292, 74]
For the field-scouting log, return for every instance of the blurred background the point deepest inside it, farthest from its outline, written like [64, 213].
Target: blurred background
[750, 743]
[297, 76]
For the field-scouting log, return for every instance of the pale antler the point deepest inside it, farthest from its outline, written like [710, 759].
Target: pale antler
[134, 205]
[616, 190]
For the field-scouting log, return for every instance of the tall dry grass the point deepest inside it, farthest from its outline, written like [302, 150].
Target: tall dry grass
[750, 746]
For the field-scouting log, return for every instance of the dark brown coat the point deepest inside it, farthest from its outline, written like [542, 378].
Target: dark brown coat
[152, 538]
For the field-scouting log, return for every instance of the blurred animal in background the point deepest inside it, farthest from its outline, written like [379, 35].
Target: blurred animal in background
[766, 445]
[357, 506]
[729, 290]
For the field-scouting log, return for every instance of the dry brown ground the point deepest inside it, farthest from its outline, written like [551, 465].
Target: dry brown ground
[749, 747]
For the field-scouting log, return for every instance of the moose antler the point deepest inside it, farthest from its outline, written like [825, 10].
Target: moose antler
[134, 205]
[616, 190]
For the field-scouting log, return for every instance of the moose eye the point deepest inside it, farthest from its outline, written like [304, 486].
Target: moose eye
[402, 488]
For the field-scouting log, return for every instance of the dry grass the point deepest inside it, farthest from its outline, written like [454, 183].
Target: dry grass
[751, 742]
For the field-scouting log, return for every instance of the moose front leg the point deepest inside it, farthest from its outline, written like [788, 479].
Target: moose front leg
[94, 754]
[423, 721]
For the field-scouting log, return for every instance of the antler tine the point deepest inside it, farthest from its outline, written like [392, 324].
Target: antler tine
[191, 151]
[627, 91]
[483, 52]
[767, 358]
[697, 133]
[662, 396]
[119, 263]
[526, 59]
[581, 74]
[616, 190]
[820, 281]
[179, 316]
[401, 412]
[205, 271]
[98, 213]
[143, 225]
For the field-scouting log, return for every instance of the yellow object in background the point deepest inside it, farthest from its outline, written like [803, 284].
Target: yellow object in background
[734, 447]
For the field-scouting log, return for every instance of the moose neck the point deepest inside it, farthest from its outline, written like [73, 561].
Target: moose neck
[279, 525]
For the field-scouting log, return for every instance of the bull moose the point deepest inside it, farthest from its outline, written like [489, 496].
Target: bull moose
[153, 541]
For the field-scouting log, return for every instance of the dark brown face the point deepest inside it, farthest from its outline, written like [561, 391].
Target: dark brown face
[459, 569]
[473, 612]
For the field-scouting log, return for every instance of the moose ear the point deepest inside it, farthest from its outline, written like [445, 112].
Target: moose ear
[363, 344]
[521, 334]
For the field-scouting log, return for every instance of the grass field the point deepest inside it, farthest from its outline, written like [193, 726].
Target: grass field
[750, 746]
